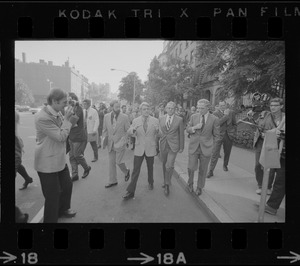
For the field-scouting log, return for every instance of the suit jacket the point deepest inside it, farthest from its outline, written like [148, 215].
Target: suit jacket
[227, 123]
[115, 135]
[51, 136]
[174, 136]
[206, 137]
[92, 121]
[145, 141]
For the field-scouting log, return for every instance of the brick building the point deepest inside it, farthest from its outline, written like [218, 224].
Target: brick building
[42, 76]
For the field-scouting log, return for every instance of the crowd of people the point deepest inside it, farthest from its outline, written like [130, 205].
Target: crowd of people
[64, 127]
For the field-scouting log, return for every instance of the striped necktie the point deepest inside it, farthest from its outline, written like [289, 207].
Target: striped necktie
[168, 122]
[203, 122]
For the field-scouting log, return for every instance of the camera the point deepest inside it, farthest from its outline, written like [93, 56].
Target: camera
[73, 103]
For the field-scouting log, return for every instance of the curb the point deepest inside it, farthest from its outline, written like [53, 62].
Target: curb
[218, 213]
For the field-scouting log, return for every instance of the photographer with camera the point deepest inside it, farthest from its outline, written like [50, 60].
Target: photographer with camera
[272, 120]
[77, 140]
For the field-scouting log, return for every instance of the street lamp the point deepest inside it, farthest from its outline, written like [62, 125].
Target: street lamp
[113, 69]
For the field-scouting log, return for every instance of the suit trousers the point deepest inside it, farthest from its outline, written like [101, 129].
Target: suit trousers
[137, 163]
[227, 146]
[114, 159]
[95, 148]
[259, 170]
[193, 165]
[57, 190]
[278, 192]
[167, 157]
[76, 156]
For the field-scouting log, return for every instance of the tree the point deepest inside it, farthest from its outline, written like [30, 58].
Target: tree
[244, 66]
[127, 85]
[23, 94]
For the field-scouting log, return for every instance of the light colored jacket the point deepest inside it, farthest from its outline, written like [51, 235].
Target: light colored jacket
[206, 137]
[51, 136]
[92, 121]
[174, 136]
[145, 141]
[115, 134]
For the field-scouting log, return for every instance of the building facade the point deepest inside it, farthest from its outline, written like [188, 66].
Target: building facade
[41, 77]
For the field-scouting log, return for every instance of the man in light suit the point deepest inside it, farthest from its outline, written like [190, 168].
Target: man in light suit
[115, 126]
[52, 131]
[145, 129]
[203, 128]
[171, 133]
[92, 123]
[228, 127]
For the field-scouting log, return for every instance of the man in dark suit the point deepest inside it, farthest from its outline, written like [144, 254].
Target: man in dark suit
[171, 133]
[203, 128]
[228, 126]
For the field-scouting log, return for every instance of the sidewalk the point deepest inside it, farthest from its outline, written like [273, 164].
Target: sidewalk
[229, 196]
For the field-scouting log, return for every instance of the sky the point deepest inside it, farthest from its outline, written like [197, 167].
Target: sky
[94, 59]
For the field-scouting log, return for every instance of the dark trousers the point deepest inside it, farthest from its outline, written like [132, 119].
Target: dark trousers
[259, 170]
[76, 156]
[227, 146]
[57, 190]
[137, 163]
[95, 149]
[22, 171]
[278, 192]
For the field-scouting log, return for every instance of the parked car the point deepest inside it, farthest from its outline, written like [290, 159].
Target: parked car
[35, 109]
[23, 108]
[17, 107]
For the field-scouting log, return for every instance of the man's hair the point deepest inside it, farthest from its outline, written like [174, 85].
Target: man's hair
[88, 101]
[205, 101]
[73, 96]
[56, 94]
[171, 103]
[193, 107]
[112, 103]
[144, 104]
[123, 106]
[277, 100]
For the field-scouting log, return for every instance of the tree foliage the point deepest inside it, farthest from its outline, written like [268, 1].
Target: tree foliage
[244, 66]
[169, 81]
[99, 92]
[23, 94]
[127, 86]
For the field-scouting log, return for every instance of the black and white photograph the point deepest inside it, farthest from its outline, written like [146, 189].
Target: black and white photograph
[150, 131]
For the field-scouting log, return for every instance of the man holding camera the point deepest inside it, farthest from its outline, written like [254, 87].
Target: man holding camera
[77, 140]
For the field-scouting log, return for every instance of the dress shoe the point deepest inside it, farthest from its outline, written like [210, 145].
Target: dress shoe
[99, 147]
[198, 191]
[94, 160]
[225, 168]
[128, 195]
[67, 214]
[190, 187]
[110, 185]
[127, 176]
[26, 183]
[163, 186]
[210, 174]
[86, 172]
[23, 218]
[150, 186]
[75, 178]
[270, 210]
[167, 190]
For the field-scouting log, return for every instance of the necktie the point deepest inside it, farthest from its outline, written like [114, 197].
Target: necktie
[203, 122]
[85, 118]
[168, 122]
[145, 124]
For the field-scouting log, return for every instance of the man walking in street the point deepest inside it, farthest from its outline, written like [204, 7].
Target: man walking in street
[171, 133]
[203, 128]
[145, 129]
[115, 126]
[227, 123]
[91, 119]
[77, 140]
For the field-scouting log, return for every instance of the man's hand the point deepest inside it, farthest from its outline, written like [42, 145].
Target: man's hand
[226, 112]
[198, 126]
[180, 151]
[68, 113]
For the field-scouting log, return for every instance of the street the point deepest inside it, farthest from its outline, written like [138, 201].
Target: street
[96, 204]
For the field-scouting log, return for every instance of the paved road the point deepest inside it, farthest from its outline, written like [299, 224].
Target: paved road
[96, 204]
